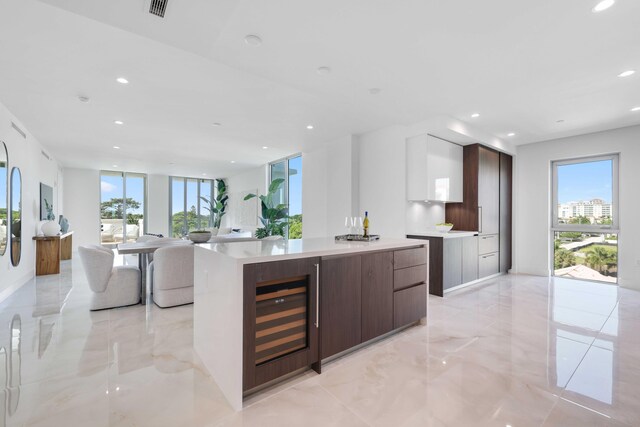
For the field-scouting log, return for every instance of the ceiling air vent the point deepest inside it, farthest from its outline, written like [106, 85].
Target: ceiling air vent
[158, 7]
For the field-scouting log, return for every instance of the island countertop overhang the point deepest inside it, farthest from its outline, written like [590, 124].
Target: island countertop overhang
[278, 250]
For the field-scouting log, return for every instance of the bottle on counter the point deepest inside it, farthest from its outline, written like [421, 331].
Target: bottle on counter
[365, 224]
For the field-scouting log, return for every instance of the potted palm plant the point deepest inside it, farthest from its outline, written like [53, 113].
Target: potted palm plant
[217, 206]
[274, 215]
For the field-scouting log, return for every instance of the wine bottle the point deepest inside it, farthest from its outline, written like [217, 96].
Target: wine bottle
[365, 224]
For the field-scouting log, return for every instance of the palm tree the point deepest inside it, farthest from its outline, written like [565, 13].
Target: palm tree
[599, 257]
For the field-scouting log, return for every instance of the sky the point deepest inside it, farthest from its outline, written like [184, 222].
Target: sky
[111, 186]
[295, 186]
[585, 181]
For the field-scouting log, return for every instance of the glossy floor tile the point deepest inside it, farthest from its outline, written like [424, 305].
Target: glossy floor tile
[514, 351]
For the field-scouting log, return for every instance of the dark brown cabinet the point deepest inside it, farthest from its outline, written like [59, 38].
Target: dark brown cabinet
[377, 294]
[280, 319]
[488, 191]
[340, 304]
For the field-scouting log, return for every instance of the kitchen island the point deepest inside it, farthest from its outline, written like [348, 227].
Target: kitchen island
[264, 310]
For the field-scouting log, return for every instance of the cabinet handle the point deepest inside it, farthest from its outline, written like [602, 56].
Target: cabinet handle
[317, 295]
[480, 219]
[488, 256]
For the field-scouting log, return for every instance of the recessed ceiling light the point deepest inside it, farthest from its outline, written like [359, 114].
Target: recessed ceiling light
[323, 71]
[475, 115]
[204, 174]
[265, 147]
[603, 5]
[375, 90]
[83, 98]
[309, 127]
[635, 109]
[116, 147]
[122, 80]
[115, 166]
[216, 124]
[627, 73]
[233, 161]
[511, 134]
[253, 40]
[118, 122]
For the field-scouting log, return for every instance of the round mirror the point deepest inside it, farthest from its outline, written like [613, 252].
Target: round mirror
[15, 216]
[4, 197]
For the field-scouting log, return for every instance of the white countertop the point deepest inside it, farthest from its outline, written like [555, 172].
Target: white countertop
[449, 235]
[264, 251]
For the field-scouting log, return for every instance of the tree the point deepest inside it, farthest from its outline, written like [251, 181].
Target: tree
[177, 221]
[599, 257]
[114, 208]
[580, 219]
[563, 258]
[572, 235]
[295, 227]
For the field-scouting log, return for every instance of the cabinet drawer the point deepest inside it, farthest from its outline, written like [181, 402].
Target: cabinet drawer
[488, 243]
[409, 305]
[409, 258]
[488, 264]
[407, 277]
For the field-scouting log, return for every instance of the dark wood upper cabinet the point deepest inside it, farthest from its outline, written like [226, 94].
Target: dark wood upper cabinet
[506, 197]
[489, 191]
[480, 210]
[340, 304]
[377, 294]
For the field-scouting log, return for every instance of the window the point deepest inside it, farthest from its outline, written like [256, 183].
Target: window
[123, 198]
[585, 218]
[186, 210]
[290, 194]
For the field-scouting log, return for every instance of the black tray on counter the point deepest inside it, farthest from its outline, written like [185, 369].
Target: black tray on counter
[357, 238]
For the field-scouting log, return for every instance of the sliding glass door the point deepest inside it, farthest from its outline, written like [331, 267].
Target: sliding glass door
[585, 218]
[123, 198]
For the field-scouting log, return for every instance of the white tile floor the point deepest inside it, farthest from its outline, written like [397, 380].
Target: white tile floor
[518, 351]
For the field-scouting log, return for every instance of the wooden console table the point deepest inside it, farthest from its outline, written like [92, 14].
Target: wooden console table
[50, 251]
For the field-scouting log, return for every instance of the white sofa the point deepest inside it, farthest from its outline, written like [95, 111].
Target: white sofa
[111, 286]
[170, 276]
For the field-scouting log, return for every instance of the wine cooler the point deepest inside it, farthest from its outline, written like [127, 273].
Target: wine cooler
[281, 319]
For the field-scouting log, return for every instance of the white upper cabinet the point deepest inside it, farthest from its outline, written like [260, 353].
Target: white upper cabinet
[434, 169]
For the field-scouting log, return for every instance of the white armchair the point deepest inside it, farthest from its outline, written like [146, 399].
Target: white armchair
[111, 286]
[170, 276]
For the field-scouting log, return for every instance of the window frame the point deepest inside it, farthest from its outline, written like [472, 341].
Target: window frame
[185, 180]
[614, 227]
[124, 174]
[286, 181]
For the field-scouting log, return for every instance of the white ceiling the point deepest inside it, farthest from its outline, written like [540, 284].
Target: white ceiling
[522, 65]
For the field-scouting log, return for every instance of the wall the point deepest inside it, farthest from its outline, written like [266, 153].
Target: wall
[330, 187]
[533, 179]
[249, 180]
[82, 205]
[26, 154]
[158, 204]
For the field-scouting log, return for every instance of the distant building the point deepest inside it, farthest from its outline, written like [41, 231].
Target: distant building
[593, 209]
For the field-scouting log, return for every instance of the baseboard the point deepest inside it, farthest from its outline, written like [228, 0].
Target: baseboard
[6, 293]
[475, 282]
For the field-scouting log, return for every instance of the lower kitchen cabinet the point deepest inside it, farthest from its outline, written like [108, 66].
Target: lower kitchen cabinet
[452, 263]
[359, 299]
[377, 294]
[469, 259]
[409, 305]
[340, 304]
[489, 264]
